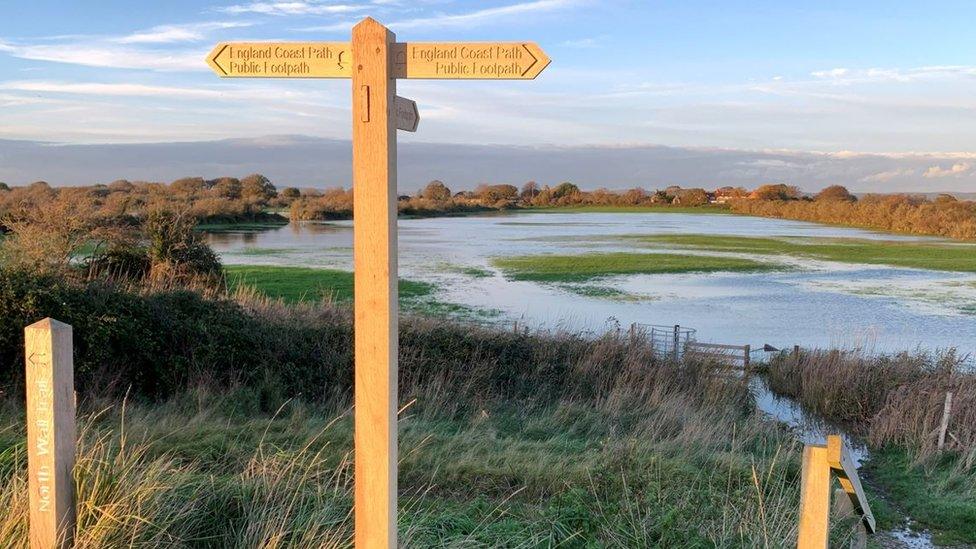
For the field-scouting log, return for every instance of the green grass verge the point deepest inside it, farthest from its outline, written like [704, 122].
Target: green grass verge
[938, 497]
[940, 256]
[582, 267]
[295, 284]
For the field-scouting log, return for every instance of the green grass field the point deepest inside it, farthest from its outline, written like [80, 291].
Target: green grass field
[942, 256]
[295, 284]
[583, 267]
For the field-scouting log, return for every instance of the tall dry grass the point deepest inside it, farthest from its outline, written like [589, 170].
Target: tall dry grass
[889, 399]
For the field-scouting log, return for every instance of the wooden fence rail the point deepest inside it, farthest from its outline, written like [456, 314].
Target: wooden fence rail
[820, 464]
[731, 353]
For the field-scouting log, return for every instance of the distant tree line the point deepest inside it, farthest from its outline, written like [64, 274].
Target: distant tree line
[256, 198]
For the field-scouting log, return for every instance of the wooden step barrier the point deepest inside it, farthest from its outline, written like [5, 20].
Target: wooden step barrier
[820, 464]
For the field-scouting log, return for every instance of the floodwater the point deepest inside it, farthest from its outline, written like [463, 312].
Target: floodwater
[809, 303]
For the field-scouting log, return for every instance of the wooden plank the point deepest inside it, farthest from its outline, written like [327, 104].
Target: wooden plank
[469, 60]
[721, 356]
[51, 433]
[281, 60]
[717, 346]
[840, 461]
[375, 265]
[814, 499]
[407, 115]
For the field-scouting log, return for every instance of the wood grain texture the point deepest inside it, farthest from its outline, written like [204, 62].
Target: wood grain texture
[281, 60]
[51, 433]
[375, 265]
[840, 461]
[469, 60]
[814, 499]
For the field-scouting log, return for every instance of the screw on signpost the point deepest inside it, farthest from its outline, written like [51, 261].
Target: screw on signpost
[51, 435]
[373, 60]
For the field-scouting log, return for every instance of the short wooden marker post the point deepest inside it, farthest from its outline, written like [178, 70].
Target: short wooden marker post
[814, 499]
[51, 435]
[374, 61]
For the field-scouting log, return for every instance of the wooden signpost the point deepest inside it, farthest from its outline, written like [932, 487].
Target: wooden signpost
[50, 433]
[374, 61]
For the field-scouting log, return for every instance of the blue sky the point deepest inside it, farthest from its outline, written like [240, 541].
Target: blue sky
[867, 76]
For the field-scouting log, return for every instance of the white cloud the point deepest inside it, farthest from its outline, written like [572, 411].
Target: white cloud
[111, 56]
[463, 19]
[193, 32]
[957, 170]
[884, 177]
[903, 75]
[581, 43]
[294, 8]
[485, 15]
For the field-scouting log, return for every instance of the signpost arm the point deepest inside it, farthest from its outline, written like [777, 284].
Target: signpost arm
[375, 264]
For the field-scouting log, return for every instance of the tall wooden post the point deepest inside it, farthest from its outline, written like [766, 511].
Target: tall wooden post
[814, 499]
[375, 263]
[50, 433]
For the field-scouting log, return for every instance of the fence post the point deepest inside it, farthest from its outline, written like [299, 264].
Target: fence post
[51, 435]
[746, 350]
[796, 353]
[944, 426]
[677, 339]
[814, 499]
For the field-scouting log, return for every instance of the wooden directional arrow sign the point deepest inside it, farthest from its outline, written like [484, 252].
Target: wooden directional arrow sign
[281, 60]
[469, 60]
[407, 115]
[426, 60]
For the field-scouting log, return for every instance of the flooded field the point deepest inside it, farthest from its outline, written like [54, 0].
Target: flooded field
[792, 299]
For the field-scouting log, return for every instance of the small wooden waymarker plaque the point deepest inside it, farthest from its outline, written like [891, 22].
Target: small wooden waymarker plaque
[50, 433]
[407, 115]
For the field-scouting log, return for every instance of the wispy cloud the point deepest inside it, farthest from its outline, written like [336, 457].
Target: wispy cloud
[581, 43]
[912, 74]
[109, 55]
[295, 8]
[166, 34]
[886, 176]
[468, 19]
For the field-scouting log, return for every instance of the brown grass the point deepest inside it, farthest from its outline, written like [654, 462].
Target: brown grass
[890, 399]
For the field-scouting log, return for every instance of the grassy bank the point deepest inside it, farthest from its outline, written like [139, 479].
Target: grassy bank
[921, 255]
[205, 470]
[583, 267]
